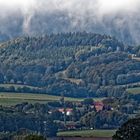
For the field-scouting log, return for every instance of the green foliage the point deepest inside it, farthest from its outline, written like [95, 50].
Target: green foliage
[13, 120]
[103, 119]
[72, 64]
[88, 101]
[129, 130]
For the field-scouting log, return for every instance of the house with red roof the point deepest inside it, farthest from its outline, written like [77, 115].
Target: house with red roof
[98, 106]
[68, 111]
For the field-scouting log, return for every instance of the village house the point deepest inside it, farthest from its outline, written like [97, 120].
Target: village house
[68, 111]
[98, 106]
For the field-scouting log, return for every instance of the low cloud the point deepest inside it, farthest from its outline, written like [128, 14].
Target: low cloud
[118, 18]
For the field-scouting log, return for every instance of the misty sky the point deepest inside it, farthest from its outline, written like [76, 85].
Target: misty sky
[119, 18]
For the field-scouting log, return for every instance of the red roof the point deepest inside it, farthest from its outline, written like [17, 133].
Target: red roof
[67, 110]
[98, 103]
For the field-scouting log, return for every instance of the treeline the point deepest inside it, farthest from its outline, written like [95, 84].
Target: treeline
[22, 89]
[73, 64]
[129, 130]
[12, 120]
[104, 119]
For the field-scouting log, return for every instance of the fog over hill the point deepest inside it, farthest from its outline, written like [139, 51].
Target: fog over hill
[118, 18]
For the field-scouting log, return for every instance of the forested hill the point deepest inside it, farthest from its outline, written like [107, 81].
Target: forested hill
[73, 64]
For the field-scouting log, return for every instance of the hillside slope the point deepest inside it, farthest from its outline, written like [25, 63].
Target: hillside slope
[73, 64]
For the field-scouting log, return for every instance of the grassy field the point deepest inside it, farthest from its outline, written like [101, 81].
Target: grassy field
[88, 133]
[8, 99]
[15, 98]
[134, 90]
